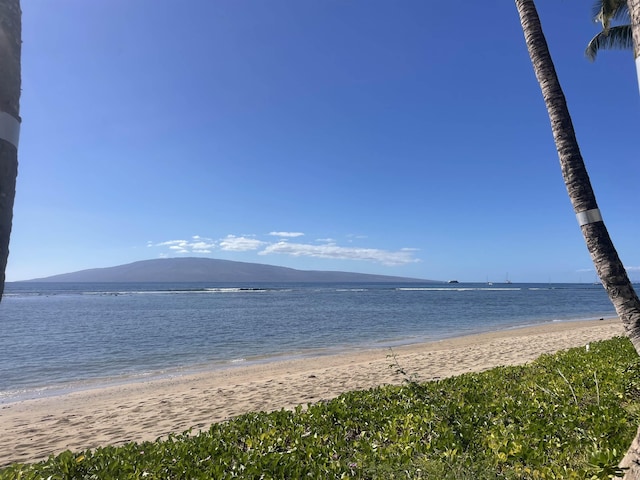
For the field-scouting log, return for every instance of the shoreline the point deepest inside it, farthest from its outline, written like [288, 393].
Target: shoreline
[145, 409]
[8, 397]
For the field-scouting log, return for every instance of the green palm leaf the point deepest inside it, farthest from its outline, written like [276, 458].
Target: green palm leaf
[614, 37]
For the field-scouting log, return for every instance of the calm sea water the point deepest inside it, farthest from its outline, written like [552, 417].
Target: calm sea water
[56, 337]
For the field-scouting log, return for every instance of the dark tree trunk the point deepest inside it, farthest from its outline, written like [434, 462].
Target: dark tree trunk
[634, 13]
[10, 80]
[632, 458]
[603, 253]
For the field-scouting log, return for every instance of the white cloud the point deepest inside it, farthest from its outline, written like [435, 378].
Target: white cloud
[286, 234]
[240, 244]
[204, 245]
[628, 269]
[198, 244]
[400, 257]
[354, 235]
[167, 243]
[325, 248]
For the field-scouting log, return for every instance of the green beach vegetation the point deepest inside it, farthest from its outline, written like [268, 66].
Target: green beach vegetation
[568, 415]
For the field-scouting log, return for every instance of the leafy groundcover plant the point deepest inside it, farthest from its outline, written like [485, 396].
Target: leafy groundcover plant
[568, 415]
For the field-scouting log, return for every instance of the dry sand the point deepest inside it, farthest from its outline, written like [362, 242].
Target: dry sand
[32, 430]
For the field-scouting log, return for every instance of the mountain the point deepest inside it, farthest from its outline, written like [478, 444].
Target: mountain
[212, 270]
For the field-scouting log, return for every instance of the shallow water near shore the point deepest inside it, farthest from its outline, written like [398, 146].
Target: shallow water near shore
[58, 337]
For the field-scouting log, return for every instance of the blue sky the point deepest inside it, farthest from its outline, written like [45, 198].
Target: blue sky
[394, 137]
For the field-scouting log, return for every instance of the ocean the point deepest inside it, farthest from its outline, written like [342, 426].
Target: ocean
[61, 337]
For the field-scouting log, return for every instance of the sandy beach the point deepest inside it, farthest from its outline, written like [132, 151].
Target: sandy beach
[34, 429]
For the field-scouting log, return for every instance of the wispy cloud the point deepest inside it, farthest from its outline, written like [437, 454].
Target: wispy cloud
[286, 234]
[353, 236]
[231, 243]
[322, 248]
[628, 269]
[385, 257]
[197, 244]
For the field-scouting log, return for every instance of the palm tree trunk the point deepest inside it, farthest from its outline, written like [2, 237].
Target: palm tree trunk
[10, 81]
[605, 258]
[634, 13]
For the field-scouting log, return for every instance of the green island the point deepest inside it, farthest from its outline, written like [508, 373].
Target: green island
[570, 415]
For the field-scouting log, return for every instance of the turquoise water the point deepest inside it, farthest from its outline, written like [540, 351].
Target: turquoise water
[58, 337]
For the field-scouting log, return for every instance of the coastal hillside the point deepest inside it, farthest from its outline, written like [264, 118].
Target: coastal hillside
[214, 270]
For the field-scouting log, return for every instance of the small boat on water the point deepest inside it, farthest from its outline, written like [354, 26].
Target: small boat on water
[453, 281]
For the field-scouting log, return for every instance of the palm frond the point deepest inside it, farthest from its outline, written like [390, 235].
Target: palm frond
[605, 11]
[619, 37]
